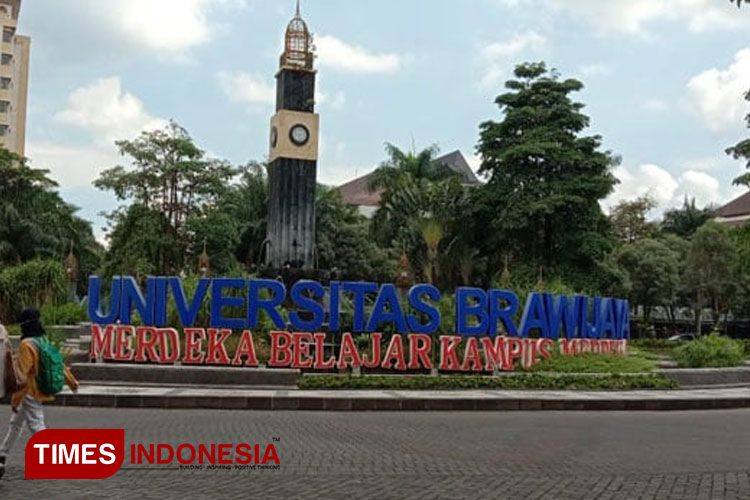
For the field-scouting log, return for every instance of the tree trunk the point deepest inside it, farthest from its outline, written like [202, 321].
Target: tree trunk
[697, 312]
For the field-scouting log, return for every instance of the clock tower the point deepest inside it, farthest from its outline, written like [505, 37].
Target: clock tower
[293, 156]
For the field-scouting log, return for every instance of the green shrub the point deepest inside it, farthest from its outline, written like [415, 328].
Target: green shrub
[712, 351]
[66, 314]
[519, 381]
[34, 283]
[746, 346]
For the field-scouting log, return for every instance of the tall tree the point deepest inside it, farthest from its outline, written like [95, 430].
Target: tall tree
[652, 269]
[171, 177]
[170, 174]
[712, 271]
[35, 222]
[629, 219]
[541, 203]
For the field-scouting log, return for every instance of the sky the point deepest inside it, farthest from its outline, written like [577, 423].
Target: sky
[664, 81]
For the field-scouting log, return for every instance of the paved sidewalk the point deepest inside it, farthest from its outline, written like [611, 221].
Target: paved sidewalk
[420, 455]
[393, 400]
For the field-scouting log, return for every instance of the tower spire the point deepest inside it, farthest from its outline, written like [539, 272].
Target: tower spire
[298, 47]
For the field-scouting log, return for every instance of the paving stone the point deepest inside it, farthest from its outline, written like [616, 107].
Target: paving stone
[430, 455]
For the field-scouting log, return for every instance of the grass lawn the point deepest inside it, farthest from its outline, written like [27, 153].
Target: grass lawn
[637, 362]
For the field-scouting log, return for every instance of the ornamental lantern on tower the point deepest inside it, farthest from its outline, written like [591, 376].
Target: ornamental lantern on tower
[404, 279]
[293, 155]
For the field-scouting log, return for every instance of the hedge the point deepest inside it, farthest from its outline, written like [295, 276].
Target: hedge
[528, 381]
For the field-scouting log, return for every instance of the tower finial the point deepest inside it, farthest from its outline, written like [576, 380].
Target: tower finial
[297, 14]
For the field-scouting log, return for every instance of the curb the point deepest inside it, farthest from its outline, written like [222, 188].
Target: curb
[414, 403]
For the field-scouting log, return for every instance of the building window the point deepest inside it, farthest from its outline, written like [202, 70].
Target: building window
[6, 59]
[4, 83]
[8, 34]
[4, 129]
[4, 106]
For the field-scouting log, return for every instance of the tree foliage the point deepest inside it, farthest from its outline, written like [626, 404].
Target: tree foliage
[741, 150]
[541, 204]
[652, 269]
[247, 204]
[344, 244]
[170, 192]
[36, 223]
[419, 199]
[33, 283]
[629, 219]
[712, 269]
[170, 174]
[685, 221]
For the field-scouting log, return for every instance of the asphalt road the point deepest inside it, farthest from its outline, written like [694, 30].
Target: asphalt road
[539, 455]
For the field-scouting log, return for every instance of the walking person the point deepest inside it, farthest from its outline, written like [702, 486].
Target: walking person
[26, 403]
[4, 348]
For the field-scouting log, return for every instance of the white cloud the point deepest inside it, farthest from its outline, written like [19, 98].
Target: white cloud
[656, 105]
[649, 179]
[705, 164]
[497, 59]
[634, 16]
[167, 28]
[595, 70]
[336, 54]
[247, 88]
[107, 112]
[336, 100]
[72, 167]
[717, 93]
[666, 190]
[701, 186]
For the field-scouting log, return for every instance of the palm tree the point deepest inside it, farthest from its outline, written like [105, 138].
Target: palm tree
[413, 166]
[411, 184]
[432, 233]
[36, 223]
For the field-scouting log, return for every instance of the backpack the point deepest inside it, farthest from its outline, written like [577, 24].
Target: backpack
[13, 379]
[51, 377]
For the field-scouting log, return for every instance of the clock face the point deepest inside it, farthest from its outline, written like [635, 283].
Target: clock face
[274, 136]
[299, 135]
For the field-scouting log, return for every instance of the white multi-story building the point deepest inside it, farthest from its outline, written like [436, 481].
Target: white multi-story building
[14, 79]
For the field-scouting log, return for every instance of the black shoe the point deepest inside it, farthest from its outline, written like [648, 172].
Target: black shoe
[2, 467]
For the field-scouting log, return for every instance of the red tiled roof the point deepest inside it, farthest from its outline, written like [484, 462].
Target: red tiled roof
[357, 192]
[738, 206]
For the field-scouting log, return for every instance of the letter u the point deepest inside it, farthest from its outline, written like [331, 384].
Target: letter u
[95, 313]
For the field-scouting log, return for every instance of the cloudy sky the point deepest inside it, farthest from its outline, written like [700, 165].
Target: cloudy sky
[664, 80]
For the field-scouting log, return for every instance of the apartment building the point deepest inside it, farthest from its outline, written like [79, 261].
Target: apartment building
[14, 79]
